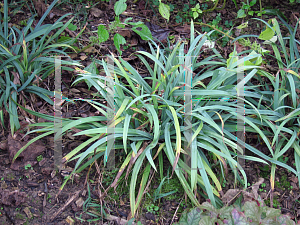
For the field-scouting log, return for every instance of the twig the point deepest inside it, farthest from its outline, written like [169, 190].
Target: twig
[75, 196]
[175, 212]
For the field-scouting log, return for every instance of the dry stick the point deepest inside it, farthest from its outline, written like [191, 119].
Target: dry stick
[75, 196]
[118, 219]
[205, 24]
[176, 211]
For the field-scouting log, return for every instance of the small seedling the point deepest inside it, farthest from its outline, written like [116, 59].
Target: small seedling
[28, 166]
[48, 198]
[178, 19]
[224, 183]
[152, 208]
[283, 159]
[39, 158]
[204, 6]
[228, 24]
[196, 11]
[185, 8]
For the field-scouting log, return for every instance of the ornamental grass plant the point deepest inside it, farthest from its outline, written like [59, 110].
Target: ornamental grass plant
[167, 116]
[27, 57]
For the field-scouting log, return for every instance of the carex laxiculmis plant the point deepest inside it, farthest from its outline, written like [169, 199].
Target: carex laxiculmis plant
[149, 123]
[27, 58]
[279, 103]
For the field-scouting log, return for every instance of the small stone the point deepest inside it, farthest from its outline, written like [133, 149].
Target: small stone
[295, 186]
[53, 173]
[79, 202]
[34, 194]
[70, 221]
[3, 185]
[83, 57]
[42, 162]
[96, 12]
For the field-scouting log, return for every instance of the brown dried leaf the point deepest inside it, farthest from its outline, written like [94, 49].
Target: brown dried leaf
[230, 195]
[83, 57]
[40, 7]
[28, 156]
[28, 213]
[13, 198]
[248, 197]
[16, 78]
[294, 179]
[3, 145]
[79, 202]
[74, 90]
[96, 12]
[90, 50]
[255, 187]
[125, 33]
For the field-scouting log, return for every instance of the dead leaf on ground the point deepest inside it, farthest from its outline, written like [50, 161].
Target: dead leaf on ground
[125, 33]
[73, 55]
[157, 32]
[295, 186]
[28, 213]
[96, 12]
[3, 145]
[90, 50]
[16, 78]
[255, 187]
[185, 29]
[79, 202]
[83, 57]
[133, 42]
[230, 195]
[28, 156]
[69, 220]
[294, 179]
[40, 7]
[12, 198]
[248, 197]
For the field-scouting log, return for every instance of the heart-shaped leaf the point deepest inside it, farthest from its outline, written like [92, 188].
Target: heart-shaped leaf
[118, 41]
[164, 11]
[103, 34]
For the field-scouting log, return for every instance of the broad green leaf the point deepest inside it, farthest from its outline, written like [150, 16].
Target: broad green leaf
[238, 218]
[243, 25]
[191, 218]
[267, 34]
[164, 10]
[120, 7]
[143, 31]
[252, 211]
[103, 34]
[195, 15]
[118, 41]
[241, 13]
[72, 27]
